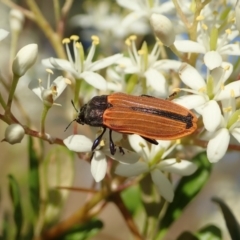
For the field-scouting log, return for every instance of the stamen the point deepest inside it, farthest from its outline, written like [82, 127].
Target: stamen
[128, 42]
[141, 145]
[95, 40]
[202, 89]
[65, 41]
[200, 18]
[133, 38]
[49, 71]
[227, 109]
[232, 93]
[74, 38]
[228, 31]
[67, 81]
[204, 26]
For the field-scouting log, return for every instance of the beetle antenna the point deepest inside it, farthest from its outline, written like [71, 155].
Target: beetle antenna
[74, 106]
[69, 124]
[73, 119]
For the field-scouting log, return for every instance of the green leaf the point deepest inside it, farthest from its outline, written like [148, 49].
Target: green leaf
[33, 179]
[230, 220]
[132, 199]
[186, 190]
[187, 236]
[58, 171]
[16, 200]
[6, 227]
[84, 231]
[210, 232]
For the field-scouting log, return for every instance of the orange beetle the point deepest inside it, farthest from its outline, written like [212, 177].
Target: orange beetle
[151, 118]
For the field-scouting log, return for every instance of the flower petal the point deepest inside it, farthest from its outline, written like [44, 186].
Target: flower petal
[130, 170]
[139, 145]
[94, 79]
[61, 84]
[230, 49]
[191, 77]
[163, 185]
[78, 143]
[98, 166]
[189, 46]
[211, 116]
[157, 81]
[212, 59]
[3, 34]
[190, 101]
[218, 145]
[232, 88]
[105, 62]
[128, 157]
[236, 133]
[182, 167]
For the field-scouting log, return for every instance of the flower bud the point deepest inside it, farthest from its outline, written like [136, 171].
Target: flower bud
[3, 34]
[24, 59]
[16, 20]
[14, 134]
[163, 29]
[237, 15]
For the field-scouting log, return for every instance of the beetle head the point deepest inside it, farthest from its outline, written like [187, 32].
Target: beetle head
[81, 116]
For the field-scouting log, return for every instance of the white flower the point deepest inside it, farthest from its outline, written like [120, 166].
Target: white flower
[147, 65]
[153, 162]
[24, 59]
[100, 18]
[52, 92]
[81, 143]
[206, 94]
[163, 29]
[237, 15]
[211, 42]
[16, 20]
[14, 133]
[144, 9]
[80, 67]
[230, 124]
[3, 34]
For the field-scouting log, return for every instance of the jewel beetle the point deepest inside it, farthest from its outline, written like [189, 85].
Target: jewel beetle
[151, 118]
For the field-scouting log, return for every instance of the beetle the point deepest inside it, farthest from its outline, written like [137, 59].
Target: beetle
[151, 118]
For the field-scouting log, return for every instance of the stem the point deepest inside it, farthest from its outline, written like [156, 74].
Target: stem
[77, 91]
[56, 11]
[144, 85]
[43, 118]
[78, 217]
[47, 30]
[116, 198]
[11, 93]
[2, 102]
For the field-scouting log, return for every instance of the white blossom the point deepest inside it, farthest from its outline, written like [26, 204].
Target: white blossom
[3, 34]
[154, 162]
[14, 133]
[53, 90]
[163, 29]
[81, 143]
[80, 67]
[206, 94]
[147, 65]
[24, 59]
[230, 125]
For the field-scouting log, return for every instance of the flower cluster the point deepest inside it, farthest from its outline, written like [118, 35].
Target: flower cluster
[203, 72]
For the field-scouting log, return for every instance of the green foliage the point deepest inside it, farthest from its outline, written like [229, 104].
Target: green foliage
[186, 190]
[33, 180]
[83, 231]
[17, 206]
[230, 220]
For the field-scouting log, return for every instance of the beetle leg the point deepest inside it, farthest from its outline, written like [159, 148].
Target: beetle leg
[98, 139]
[153, 141]
[111, 143]
[121, 150]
